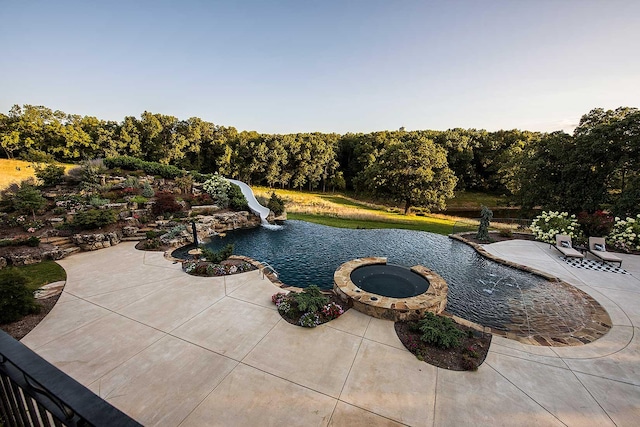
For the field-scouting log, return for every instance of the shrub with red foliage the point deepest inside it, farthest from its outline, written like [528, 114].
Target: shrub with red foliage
[597, 224]
[200, 200]
[165, 203]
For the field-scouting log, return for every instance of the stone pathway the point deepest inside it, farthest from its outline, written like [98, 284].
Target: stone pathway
[176, 350]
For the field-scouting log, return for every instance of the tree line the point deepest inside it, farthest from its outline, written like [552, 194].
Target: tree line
[597, 166]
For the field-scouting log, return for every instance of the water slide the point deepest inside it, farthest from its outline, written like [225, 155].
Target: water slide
[256, 207]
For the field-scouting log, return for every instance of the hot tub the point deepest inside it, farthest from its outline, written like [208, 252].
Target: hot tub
[389, 280]
[390, 292]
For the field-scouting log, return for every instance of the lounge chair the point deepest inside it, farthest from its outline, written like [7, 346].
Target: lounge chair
[563, 244]
[598, 249]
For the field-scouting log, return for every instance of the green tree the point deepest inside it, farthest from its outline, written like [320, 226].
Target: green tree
[50, 174]
[415, 173]
[16, 300]
[28, 199]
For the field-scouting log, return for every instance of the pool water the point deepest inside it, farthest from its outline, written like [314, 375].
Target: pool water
[389, 280]
[480, 290]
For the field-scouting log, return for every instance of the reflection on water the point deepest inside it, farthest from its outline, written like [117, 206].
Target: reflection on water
[479, 290]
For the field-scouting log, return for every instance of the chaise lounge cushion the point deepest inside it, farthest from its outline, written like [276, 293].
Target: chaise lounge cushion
[598, 249]
[563, 244]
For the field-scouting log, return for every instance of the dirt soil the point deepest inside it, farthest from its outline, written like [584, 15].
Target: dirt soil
[496, 237]
[23, 326]
[467, 357]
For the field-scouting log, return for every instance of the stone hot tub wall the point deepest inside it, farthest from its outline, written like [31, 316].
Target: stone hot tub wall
[433, 300]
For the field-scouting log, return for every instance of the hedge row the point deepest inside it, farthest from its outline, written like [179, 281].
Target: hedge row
[151, 168]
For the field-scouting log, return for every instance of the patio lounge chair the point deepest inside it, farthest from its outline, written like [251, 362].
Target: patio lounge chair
[563, 244]
[598, 249]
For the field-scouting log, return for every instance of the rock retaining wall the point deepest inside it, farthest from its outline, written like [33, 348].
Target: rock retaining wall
[92, 242]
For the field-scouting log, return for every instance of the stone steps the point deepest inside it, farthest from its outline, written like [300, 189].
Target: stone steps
[65, 244]
[71, 250]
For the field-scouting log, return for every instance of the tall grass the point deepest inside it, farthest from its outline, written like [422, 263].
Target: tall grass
[15, 171]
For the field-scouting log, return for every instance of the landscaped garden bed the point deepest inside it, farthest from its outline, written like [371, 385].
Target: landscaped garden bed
[441, 342]
[308, 308]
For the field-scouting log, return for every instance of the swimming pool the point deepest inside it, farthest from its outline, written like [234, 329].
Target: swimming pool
[480, 290]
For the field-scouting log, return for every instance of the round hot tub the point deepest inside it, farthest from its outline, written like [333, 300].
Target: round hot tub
[389, 280]
[390, 291]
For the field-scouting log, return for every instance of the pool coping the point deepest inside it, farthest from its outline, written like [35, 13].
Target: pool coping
[434, 299]
[600, 321]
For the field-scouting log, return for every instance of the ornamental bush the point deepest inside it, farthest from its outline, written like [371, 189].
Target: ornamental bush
[439, 331]
[217, 256]
[309, 320]
[50, 174]
[276, 204]
[151, 168]
[310, 299]
[94, 218]
[597, 224]
[16, 300]
[165, 203]
[625, 234]
[546, 225]
[237, 201]
[218, 188]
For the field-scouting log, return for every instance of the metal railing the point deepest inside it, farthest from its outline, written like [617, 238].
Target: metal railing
[264, 266]
[33, 392]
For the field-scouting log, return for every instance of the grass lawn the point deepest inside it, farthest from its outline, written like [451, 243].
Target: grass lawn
[339, 210]
[433, 227]
[42, 273]
[14, 171]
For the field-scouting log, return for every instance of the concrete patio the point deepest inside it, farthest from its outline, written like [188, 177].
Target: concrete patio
[172, 349]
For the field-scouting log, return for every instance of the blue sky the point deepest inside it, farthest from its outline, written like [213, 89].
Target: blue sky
[328, 66]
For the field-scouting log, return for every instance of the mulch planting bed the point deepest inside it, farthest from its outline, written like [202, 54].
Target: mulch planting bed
[22, 327]
[467, 357]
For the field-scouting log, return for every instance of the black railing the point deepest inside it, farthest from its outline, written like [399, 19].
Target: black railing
[33, 392]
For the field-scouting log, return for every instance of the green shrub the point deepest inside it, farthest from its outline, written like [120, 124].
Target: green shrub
[90, 174]
[50, 174]
[185, 183]
[94, 218]
[16, 300]
[96, 201]
[28, 199]
[151, 168]
[219, 256]
[276, 204]
[147, 190]
[237, 201]
[139, 199]
[310, 299]
[439, 331]
[486, 215]
[153, 234]
[33, 241]
[151, 243]
[200, 177]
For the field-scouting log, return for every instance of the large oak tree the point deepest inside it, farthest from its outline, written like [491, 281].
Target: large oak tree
[414, 172]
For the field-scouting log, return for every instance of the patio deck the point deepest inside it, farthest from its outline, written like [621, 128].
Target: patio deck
[172, 349]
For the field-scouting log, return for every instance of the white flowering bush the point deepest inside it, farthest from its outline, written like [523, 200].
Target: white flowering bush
[546, 225]
[625, 234]
[218, 187]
